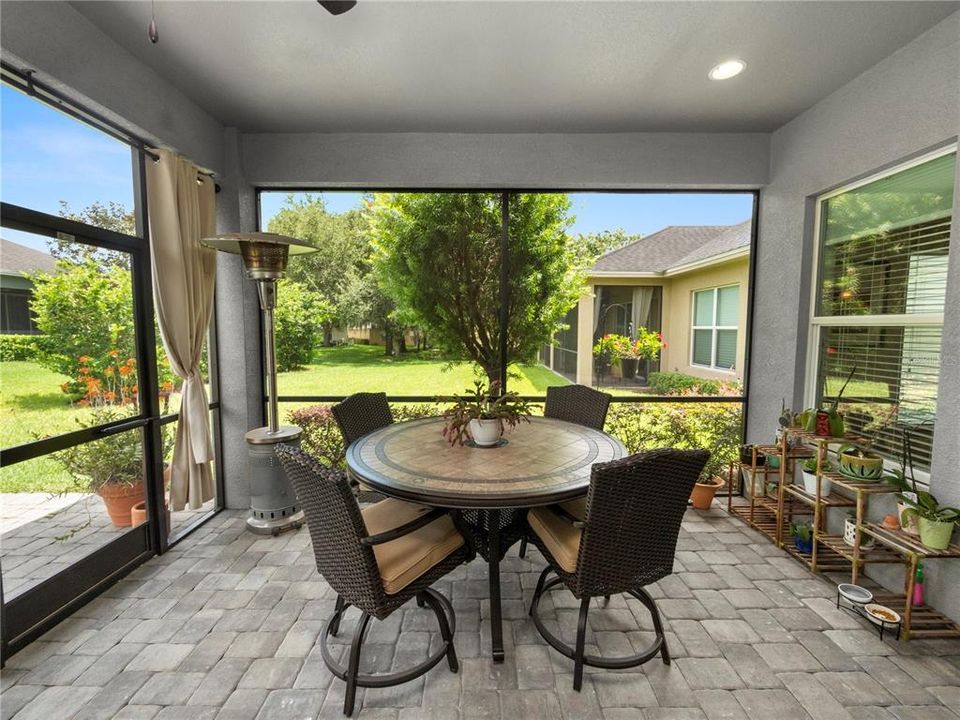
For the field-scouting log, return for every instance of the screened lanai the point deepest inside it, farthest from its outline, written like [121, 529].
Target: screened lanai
[707, 284]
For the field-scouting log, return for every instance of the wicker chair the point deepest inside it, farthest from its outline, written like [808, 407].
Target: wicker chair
[625, 540]
[577, 404]
[359, 415]
[376, 560]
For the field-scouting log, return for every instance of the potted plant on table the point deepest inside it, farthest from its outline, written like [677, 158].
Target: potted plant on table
[936, 522]
[111, 467]
[809, 473]
[481, 414]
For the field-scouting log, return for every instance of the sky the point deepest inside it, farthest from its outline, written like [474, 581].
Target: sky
[46, 156]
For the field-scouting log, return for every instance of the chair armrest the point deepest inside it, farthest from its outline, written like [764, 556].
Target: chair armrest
[405, 529]
[561, 513]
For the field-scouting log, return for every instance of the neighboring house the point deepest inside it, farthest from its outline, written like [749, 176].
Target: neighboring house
[688, 282]
[17, 262]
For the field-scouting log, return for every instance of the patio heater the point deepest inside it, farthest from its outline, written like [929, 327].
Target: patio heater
[273, 503]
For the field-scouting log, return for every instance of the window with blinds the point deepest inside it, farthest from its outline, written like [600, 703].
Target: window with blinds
[716, 313]
[882, 277]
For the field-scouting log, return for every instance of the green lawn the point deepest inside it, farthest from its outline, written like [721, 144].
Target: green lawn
[355, 368]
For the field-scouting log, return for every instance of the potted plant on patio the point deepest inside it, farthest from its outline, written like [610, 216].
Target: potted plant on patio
[605, 352]
[809, 474]
[480, 414]
[111, 467]
[802, 533]
[709, 482]
[859, 463]
[936, 522]
[645, 349]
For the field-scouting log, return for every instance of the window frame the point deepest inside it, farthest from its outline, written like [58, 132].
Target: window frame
[905, 320]
[714, 328]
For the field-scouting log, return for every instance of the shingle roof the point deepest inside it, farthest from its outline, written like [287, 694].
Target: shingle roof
[675, 246]
[16, 259]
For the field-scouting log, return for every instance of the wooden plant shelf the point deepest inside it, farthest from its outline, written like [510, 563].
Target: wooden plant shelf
[877, 554]
[827, 560]
[876, 487]
[831, 500]
[763, 519]
[925, 621]
[901, 542]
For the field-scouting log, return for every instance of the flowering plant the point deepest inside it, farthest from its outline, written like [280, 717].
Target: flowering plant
[647, 346]
[611, 347]
[110, 380]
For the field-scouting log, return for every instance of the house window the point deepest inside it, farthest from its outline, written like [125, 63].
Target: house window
[882, 254]
[15, 315]
[715, 316]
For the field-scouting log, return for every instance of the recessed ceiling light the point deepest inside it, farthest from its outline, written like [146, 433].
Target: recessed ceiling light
[727, 70]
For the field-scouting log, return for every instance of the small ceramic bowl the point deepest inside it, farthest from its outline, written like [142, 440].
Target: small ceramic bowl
[881, 614]
[855, 593]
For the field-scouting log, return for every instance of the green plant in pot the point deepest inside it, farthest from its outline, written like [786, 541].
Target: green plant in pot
[908, 494]
[834, 425]
[709, 482]
[111, 467]
[481, 414]
[859, 463]
[802, 533]
[809, 475]
[936, 521]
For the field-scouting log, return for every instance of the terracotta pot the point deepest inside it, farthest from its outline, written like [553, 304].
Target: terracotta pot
[119, 500]
[702, 495]
[138, 514]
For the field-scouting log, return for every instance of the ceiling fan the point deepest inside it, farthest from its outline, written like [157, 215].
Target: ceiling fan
[337, 7]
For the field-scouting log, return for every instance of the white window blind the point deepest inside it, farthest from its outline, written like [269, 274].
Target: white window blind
[883, 256]
[716, 313]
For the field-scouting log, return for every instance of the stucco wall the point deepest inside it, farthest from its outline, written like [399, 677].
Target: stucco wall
[678, 309]
[905, 105]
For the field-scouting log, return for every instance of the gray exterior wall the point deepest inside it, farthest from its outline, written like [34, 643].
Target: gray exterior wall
[903, 106]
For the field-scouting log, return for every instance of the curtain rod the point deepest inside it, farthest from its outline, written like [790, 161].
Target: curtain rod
[31, 86]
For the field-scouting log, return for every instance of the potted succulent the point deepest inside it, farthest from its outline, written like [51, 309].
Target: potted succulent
[709, 482]
[111, 467]
[480, 414]
[858, 463]
[802, 533]
[809, 473]
[936, 522]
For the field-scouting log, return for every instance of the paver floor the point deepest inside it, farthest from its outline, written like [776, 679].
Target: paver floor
[42, 534]
[225, 625]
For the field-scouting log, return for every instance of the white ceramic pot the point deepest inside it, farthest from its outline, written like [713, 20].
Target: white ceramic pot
[485, 432]
[810, 484]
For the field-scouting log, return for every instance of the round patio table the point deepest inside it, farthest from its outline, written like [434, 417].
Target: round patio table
[541, 463]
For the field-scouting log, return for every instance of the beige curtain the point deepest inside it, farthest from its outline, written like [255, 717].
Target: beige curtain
[180, 207]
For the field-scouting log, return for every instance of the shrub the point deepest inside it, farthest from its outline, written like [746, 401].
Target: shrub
[15, 348]
[674, 383]
[716, 427]
[299, 317]
[321, 436]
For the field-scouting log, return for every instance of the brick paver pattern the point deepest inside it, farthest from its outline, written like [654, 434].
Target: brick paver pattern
[225, 626]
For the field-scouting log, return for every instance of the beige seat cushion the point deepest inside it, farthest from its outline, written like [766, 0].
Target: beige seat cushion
[403, 560]
[561, 538]
[577, 507]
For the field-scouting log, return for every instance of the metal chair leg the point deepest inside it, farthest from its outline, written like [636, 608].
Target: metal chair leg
[643, 596]
[523, 547]
[446, 633]
[539, 590]
[337, 614]
[581, 641]
[354, 667]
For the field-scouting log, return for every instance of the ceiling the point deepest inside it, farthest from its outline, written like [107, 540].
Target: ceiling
[511, 66]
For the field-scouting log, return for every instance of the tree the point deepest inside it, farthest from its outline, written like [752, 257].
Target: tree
[437, 255]
[111, 216]
[588, 247]
[299, 316]
[341, 247]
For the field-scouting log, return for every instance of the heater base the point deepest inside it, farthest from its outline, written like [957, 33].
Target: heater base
[275, 527]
